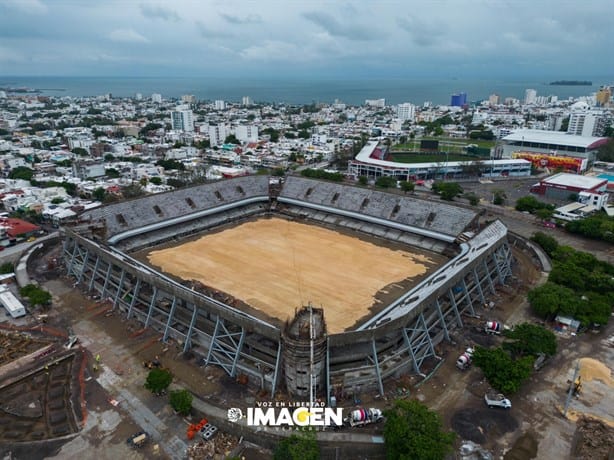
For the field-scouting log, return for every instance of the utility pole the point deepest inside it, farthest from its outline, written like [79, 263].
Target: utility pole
[571, 389]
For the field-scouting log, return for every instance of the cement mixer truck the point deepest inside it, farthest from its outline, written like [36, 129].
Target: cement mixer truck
[360, 417]
[464, 360]
[494, 327]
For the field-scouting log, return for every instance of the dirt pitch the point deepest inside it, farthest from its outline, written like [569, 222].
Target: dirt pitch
[276, 266]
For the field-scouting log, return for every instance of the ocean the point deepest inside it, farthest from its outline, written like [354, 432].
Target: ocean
[303, 91]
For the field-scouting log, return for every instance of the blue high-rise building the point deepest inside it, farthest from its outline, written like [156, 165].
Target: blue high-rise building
[458, 100]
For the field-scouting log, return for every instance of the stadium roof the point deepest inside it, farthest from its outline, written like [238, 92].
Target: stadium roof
[554, 137]
[365, 156]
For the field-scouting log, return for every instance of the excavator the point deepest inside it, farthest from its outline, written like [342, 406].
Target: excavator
[575, 387]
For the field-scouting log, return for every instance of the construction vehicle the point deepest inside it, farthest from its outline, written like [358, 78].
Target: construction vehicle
[494, 327]
[138, 439]
[576, 387]
[497, 400]
[152, 364]
[360, 417]
[464, 361]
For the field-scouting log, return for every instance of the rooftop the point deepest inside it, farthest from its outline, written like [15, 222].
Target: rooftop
[575, 180]
[554, 137]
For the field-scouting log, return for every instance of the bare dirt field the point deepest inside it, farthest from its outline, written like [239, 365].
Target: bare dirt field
[276, 266]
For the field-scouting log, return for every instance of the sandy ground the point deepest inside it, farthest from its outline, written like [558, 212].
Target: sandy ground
[297, 263]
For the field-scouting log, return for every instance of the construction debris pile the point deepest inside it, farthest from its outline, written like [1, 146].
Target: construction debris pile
[594, 439]
[217, 448]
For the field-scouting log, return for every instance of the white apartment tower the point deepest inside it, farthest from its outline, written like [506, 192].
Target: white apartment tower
[246, 101]
[378, 103]
[217, 134]
[247, 133]
[586, 123]
[182, 119]
[406, 111]
[530, 96]
[220, 105]
[188, 99]
[156, 97]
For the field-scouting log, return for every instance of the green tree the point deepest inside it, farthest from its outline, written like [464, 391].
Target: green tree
[407, 186]
[155, 180]
[98, 194]
[544, 213]
[385, 182]
[181, 401]
[6, 268]
[35, 295]
[112, 173]
[133, 191]
[606, 151]
[80, 151]
[231, 139]
[21, 172]
[363, 180]
[447, 190]
[57, 200]
[158, 380]
[303, 446]
[473, 199]
[412, 431]
[547, 242]
[499, 197]
[547, 299]
[502, 372]
[530, 339]
[279, 172]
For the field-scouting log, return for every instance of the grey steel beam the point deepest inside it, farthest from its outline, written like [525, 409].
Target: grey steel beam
[119, 287]
[468, 298]
[442, 320]
[455, 308]
[151, 305]
[377, 369]
[93, 278]
[72, 259]
[476, 279]
[188, 338]
[170, 319]
[210, 352]
[276, 371]
[106, 281]
[84, 266]
[137, 288]
[488, 278]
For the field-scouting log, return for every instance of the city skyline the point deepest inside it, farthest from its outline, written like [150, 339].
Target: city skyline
[316, 39]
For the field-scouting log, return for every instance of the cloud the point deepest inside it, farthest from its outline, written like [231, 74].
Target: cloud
[127, 36]
[422, 33]
[206, 32]
[336, 29]
[7, 55]
[159, 12]
[26, 6]
[239, 20]
[272, 50]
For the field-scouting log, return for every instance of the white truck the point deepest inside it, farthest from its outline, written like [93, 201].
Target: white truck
[464, 360]
[497, 400]
[360, 417]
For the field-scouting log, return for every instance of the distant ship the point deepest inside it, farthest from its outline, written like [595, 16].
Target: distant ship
[572, 83]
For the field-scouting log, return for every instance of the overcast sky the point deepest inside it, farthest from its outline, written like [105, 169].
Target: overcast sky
[298, 38]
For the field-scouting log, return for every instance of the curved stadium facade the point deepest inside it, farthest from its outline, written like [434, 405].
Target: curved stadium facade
[401, 337]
